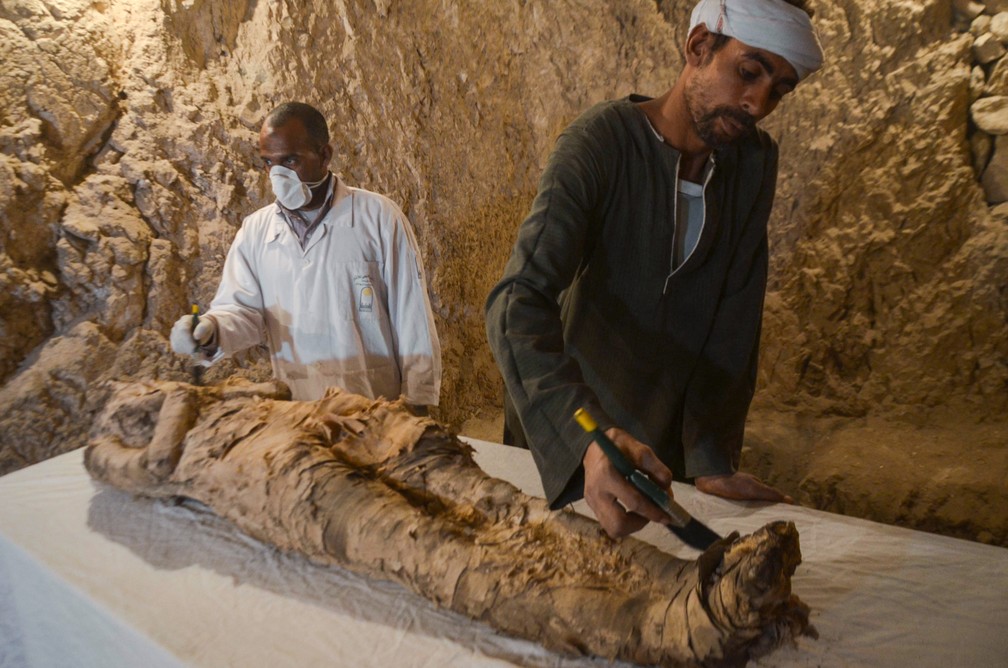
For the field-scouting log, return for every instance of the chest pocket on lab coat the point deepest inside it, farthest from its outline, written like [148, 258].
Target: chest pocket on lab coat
[361, 295]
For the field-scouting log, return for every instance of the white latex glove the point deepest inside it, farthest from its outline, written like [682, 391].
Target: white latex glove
[205, 330]
[187, 341]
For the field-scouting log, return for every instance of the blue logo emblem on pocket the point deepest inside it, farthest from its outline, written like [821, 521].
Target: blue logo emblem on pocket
[365, 293]
[365, 299]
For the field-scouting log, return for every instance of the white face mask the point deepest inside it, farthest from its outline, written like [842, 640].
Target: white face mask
[290, 190]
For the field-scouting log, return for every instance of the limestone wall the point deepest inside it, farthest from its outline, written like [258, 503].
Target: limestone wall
[127, 161]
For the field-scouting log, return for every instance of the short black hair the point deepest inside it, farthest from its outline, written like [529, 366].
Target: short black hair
[312, 119]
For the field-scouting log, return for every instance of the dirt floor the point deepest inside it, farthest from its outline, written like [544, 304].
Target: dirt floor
[895, 472]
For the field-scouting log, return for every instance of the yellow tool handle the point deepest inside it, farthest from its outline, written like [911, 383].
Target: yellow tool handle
[586, 421]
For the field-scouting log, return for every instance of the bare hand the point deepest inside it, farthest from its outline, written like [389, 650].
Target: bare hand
[618, 506]
[740, 486]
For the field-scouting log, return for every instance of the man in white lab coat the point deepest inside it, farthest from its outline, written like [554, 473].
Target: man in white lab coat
[328, 276]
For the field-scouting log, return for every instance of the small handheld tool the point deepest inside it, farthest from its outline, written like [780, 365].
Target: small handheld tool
[689, 530]
[197, 368]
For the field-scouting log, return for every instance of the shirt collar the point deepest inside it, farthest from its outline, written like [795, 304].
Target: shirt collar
[711, 159]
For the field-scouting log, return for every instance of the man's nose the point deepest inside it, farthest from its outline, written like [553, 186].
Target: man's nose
[756, 102]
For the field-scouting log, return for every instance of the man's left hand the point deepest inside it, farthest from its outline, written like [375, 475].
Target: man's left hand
[740, 486]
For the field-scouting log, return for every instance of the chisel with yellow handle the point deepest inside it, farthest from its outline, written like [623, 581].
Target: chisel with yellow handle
[689, 530]
[197, 368]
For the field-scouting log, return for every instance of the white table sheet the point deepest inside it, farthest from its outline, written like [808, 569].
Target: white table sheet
[91, 576]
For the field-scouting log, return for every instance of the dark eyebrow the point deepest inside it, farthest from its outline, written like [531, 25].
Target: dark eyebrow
[768, 66]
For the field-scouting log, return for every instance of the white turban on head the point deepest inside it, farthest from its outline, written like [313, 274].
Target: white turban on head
[771, 25]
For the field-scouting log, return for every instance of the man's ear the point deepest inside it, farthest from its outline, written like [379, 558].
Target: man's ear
[327, 154]
[698, 45]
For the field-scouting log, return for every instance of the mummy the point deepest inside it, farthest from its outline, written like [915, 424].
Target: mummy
[368, 486]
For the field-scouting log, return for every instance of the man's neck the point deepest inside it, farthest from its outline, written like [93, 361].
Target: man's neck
[319, 195]
[670, 117]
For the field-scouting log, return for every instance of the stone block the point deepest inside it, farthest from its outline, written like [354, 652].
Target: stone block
[991, 114]
[999, 27]
[987, 49]
[980, 25]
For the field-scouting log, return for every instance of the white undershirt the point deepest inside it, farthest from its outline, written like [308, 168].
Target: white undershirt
[689, 221]
[690, 212]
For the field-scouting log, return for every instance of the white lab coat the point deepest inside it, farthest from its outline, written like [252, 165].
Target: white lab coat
[350, 309]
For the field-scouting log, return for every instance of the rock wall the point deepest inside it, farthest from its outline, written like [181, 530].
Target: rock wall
[128, 159]
[888, 280]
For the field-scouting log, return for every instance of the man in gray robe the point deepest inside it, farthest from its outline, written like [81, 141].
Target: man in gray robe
[635, 288]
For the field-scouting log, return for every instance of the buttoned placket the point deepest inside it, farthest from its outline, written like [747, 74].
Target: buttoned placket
[709, 173]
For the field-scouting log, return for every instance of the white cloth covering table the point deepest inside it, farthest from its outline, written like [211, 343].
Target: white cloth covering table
[91, 576]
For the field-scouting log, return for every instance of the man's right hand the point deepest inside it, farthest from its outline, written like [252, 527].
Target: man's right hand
[618, 506]
[187, 340]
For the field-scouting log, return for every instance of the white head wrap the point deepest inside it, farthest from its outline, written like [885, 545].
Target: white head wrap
[771, 25]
